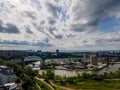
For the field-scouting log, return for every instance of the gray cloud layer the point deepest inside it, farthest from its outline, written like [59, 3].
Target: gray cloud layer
[94, 12]
[8, 28]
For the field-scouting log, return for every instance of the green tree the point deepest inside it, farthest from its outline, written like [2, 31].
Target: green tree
[50, 74]
[29, 71]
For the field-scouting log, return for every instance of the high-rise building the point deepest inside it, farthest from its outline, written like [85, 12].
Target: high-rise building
[93, 59]
[57, 51]
[85, 58]
[6, 75]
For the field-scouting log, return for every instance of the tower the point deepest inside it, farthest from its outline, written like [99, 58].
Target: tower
[93, 59]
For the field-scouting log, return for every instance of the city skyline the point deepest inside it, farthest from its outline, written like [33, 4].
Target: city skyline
[60, 24]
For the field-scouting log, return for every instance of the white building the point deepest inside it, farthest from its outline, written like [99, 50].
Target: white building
[7, 75]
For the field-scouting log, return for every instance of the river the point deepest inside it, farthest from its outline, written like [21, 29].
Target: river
[110, 68]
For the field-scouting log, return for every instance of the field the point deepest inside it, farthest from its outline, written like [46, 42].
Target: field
[94, 85]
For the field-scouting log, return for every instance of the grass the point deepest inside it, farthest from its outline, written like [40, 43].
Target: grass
[95, 85]
[43, 85]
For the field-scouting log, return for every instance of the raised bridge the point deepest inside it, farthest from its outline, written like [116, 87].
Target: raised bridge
[32, 58]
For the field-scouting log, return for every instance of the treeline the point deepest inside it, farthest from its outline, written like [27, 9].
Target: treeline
[50, 75]
[49, 55]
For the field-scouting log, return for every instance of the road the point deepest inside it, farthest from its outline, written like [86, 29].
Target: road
[38, 86]
[45, 83]
[61, 87]
[51, 85]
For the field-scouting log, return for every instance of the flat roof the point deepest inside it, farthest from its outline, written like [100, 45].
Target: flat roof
[2, 66]
[9, 84]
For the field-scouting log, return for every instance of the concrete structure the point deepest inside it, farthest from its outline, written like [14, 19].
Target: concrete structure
[33, 59]
[93, 59]
[6, 75]
[42, 64]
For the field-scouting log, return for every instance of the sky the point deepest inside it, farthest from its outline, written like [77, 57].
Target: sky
[60, 24]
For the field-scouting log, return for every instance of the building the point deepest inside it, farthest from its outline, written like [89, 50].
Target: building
[6, 53]
[42, 64]
[85, 58]
[7, 76]
[93, 59]
[39, 52]
[57, 50]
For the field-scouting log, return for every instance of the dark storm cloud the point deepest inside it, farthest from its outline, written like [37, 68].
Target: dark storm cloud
[95, 12]
[97, 9]
[103, 10]
[9, 28]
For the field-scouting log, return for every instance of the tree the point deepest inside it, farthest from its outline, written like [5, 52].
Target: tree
[50, 74]
[29, 71]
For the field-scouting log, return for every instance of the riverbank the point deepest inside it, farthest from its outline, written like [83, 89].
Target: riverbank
[93, 85]
[69, 73]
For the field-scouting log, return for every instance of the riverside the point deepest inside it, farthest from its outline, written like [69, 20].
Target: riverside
[70, 73]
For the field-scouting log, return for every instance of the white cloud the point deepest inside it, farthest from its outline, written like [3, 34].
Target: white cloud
[67, 24]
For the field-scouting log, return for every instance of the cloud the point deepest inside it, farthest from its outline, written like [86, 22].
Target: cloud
[8, 28]
[52, 9]
[52, 29]
[59, 36]
[91, 14]
[29, 31]
[108, 39]
[51, 21]
[15, 42]
[64, 24]
[40, 44]
[31, 15]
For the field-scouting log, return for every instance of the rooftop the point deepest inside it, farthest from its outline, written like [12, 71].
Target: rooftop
[2, 66]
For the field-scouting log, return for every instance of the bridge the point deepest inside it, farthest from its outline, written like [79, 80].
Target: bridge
[32, 60]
